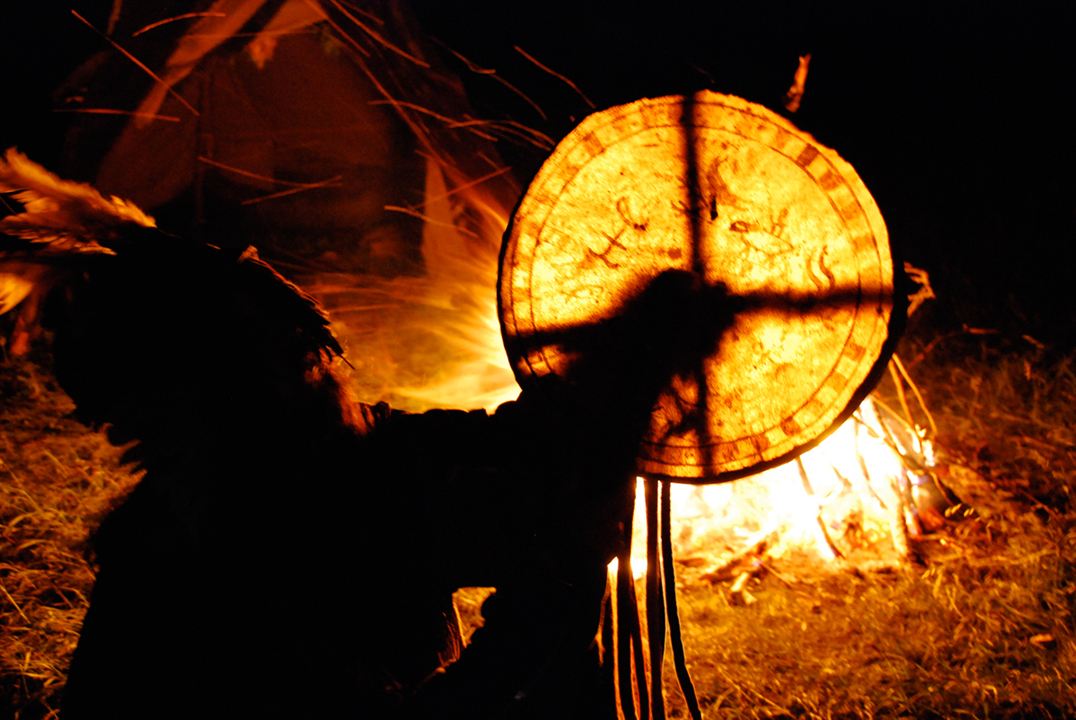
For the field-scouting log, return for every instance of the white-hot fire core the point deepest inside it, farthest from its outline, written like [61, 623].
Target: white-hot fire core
[850, 498]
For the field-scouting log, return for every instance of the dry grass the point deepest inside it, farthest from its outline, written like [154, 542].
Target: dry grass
[980, 626]
[56, 481]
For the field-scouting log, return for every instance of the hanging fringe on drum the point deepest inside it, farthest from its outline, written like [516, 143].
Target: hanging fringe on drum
[638, 698]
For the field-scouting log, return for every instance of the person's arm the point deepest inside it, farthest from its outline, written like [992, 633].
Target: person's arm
[522, 501]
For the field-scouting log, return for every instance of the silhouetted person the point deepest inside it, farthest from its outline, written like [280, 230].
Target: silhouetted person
[289, 553]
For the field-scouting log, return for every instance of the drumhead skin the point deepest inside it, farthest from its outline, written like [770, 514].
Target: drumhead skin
[726, 189]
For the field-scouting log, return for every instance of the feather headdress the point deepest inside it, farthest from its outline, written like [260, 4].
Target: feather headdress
[70, 216]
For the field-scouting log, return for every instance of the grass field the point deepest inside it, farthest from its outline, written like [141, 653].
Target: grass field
[977, 624]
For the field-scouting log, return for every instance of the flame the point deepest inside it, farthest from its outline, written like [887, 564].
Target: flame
[432, 340]
[848, 498]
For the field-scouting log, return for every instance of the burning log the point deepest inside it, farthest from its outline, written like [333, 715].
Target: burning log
[738, 592]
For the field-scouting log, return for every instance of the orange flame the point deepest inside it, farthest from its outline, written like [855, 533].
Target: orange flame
[434, 340]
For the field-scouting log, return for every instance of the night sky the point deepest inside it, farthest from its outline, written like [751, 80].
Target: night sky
[956, 114]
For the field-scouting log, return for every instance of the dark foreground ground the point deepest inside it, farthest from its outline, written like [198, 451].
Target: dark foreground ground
[980, 624]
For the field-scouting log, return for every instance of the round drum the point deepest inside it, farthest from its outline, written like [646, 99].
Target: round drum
[723, 188]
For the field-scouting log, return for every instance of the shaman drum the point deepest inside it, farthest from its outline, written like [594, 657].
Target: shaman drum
[723, 188]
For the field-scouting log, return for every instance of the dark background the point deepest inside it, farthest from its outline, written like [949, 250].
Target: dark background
[956, 114]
